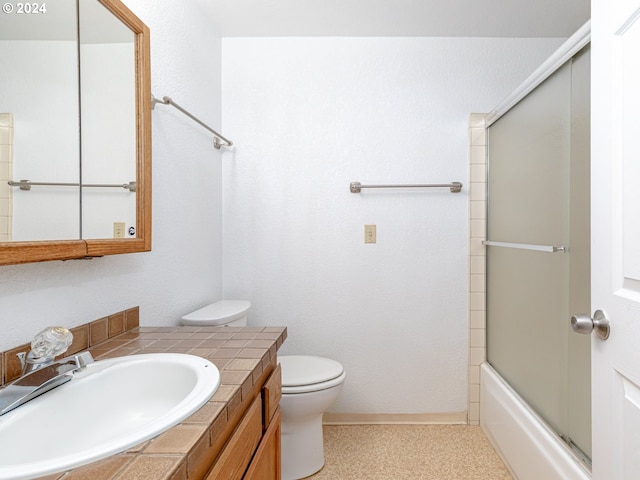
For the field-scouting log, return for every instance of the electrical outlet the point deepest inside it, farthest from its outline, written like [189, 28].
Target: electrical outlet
[369, 234]
[118, 229]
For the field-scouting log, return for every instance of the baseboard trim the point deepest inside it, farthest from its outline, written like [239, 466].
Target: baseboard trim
[456, 418]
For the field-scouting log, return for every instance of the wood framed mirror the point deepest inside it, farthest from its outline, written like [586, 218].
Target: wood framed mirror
[108, 140]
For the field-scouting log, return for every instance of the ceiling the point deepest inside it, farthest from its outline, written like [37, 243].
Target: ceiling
[448, 18]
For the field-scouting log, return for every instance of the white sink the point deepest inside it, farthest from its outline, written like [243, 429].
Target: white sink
[111, 406]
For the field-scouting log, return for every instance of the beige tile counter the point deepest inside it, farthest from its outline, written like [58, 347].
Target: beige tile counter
[245, 357]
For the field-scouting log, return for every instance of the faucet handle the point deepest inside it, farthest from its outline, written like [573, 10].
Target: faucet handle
[50, 342]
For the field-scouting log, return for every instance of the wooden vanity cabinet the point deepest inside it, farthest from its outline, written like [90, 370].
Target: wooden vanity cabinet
[266, 462]
[253, 450]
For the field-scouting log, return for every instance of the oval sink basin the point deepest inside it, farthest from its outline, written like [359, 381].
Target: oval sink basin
[112, 405]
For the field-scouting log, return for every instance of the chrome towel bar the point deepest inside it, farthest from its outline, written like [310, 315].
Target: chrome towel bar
[455, 187]
[526, 246]
[27, 184]
[217, 137]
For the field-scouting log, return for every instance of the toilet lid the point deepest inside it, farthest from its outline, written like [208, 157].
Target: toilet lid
[300, 370]
[219, 313]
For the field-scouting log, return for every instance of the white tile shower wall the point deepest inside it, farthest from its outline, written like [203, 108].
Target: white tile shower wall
[477, 263]
[6, 173]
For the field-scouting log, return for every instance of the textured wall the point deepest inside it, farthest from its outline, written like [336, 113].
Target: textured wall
[310, 115]
[184, 269]
[43, 80]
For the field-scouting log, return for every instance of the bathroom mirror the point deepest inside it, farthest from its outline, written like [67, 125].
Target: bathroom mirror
[75, 114]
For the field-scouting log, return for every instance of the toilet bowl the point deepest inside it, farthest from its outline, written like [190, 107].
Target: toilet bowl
[310, 385]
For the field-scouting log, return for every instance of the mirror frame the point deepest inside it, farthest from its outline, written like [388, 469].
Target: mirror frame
[26, 252]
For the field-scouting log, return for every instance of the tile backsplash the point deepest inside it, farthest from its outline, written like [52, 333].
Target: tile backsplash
[84, 337]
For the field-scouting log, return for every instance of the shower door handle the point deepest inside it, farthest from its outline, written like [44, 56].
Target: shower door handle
[585, 324]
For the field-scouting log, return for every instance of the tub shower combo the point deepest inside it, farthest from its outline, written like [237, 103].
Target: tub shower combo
[535, 384]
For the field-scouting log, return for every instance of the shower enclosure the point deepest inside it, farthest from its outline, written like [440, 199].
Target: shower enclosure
[538, 252]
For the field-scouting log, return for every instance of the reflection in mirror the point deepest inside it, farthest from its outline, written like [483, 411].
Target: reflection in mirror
[39, 91]
[101, 115]
[108, 123]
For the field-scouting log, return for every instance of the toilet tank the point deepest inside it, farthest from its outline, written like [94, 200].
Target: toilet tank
[228, 313]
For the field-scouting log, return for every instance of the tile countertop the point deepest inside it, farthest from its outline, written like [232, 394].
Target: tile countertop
[244, 355]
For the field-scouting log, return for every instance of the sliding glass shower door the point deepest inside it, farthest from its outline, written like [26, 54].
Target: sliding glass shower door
[538, 250]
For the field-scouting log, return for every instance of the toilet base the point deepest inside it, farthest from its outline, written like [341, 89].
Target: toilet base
[302, 448]
[302, 441]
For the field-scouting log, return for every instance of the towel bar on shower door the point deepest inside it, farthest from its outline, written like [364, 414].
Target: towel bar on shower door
[526, 246]
[454, 187]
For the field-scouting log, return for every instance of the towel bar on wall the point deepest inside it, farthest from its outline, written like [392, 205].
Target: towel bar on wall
[27, 184]
[455, 187]
[216, 136]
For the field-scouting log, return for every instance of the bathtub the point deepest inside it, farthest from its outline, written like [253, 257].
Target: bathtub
[529, 448]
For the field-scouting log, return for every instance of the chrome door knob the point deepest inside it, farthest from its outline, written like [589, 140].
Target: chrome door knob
[585, 324]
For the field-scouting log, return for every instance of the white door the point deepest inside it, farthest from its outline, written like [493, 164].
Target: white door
[615, 277]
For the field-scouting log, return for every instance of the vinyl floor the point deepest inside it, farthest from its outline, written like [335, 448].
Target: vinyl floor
[416, 452]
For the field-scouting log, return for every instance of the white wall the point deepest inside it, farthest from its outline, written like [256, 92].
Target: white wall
[42, 78]
[184, 269]
[108, 104]
[310, 115]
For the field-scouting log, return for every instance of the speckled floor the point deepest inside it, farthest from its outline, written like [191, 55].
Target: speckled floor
[416, 452]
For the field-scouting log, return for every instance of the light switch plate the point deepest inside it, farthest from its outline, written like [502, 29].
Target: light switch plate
[369, 234]
[118, 229]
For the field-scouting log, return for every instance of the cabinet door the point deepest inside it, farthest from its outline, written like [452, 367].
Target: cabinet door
[271, 395]
[236, 455]
[266, 462]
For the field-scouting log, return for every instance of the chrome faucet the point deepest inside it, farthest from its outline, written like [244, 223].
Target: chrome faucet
[45, 346]
[40, 371]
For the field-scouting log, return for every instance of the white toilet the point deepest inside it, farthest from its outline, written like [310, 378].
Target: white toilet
[310, 385]
[227, 313]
